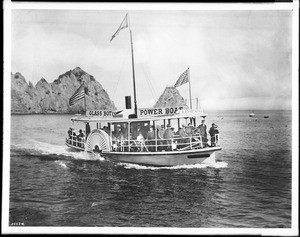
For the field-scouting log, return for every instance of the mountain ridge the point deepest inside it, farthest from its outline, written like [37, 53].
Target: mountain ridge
[54, 97]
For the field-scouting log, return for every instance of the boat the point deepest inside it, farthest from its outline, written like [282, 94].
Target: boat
[132, 135]
[252, 114]
[266, 116]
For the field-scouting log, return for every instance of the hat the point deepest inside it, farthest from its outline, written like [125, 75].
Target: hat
[168, 125]
[212, 124]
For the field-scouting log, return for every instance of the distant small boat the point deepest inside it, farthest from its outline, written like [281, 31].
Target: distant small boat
[266, 116]
[252, 114]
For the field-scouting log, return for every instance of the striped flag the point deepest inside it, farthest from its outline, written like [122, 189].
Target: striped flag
[184, 78]
[123, 25]
[78, 95]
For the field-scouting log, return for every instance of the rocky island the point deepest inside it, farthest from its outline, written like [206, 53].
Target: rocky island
[54, 97]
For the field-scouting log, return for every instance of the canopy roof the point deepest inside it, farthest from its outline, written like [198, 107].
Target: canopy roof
[99, 119]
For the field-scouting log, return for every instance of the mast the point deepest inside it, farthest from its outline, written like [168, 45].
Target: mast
[133, 73]
[190, 88]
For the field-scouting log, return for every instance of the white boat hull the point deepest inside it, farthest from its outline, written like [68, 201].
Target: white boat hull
[172, 158]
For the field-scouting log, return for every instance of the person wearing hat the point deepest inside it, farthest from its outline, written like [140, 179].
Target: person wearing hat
[160, 137]
[202, 130]
[213, 131]
[87, 129]
[80, 137]
[168, 135]
[184, 137]
[150, 139]
[189, 130]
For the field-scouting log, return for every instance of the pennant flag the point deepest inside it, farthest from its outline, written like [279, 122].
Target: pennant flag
[78, 95]
[123, 25]
[184, 78]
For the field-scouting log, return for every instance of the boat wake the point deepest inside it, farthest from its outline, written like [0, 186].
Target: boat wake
[217, 165]
[51, 151]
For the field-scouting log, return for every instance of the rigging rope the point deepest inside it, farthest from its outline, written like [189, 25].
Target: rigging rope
[149, 83]
[117, 84]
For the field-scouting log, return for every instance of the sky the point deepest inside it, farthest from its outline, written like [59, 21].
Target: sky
[238, 59]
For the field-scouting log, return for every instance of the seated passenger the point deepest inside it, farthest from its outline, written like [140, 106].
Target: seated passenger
[184, 141]
[189, 130]
[140, 141]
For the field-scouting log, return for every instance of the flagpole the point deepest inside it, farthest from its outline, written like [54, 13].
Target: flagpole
[133, 73]
[190, 88]
[84, 99]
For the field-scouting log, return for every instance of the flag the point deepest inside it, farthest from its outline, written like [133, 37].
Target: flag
[78, 95]
[184, 78]
[123, 25]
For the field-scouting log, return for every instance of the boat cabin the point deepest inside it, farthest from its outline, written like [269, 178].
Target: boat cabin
[154, 130]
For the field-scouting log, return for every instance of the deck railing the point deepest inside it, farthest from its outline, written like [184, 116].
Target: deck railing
[155, 145]
[74, 140]
[158, 145]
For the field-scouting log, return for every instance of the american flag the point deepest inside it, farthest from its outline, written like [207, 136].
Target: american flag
[78, 95]
[123, 25]
[184, 78]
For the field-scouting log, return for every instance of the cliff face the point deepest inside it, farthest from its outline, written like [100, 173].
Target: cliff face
[54, 97]
[170, 98]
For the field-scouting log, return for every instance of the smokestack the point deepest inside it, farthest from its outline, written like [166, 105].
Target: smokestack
[128, 102]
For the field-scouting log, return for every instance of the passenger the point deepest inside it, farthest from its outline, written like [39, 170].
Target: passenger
[80, 137]
[213, 131]
[150, 139]
[189, 130]
[69, 136]
[160, 135]
[202, 132]
[136, 132]
[74, 137]
[184, 137]
[87, 129]
[168, 135]
[140, 141]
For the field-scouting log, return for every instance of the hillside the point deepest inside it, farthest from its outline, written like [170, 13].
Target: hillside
[170, 98]
[54, 97]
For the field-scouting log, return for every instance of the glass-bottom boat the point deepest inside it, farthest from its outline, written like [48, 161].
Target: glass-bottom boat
[157, 140]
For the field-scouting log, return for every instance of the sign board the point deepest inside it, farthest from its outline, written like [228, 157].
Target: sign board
[104, 113]
[153, 112]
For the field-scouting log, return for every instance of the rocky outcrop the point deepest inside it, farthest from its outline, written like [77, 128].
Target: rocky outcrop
[170, 98]
[54, 97]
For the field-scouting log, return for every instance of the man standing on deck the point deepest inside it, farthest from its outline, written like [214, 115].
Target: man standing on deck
[160, 138]
[168, 135]
[203, 133]
[150, 139]
[213, 131]
[87, 129]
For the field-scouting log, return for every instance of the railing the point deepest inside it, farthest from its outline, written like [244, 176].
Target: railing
[156, 145]
[159, 145]
[75, 140]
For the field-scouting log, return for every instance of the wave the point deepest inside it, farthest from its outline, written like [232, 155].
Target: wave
[217, 165]
[47, 150]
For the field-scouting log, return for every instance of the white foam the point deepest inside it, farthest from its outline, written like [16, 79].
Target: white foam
[42, 148]
[61, 163]
[217, 165]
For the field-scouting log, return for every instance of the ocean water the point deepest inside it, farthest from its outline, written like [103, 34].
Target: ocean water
[248, 187]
